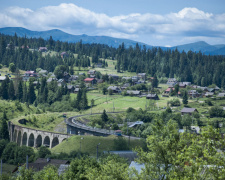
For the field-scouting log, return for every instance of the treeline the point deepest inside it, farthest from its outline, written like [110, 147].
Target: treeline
[195, 67]
[50, 96]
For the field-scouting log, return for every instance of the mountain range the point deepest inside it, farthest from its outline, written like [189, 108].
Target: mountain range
[110, 41]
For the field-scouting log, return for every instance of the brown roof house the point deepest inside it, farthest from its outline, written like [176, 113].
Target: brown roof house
[40, 163]
[189, 111]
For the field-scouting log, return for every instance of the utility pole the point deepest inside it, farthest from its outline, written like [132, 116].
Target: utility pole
[97, 149]
[113, 106]
[80, 143]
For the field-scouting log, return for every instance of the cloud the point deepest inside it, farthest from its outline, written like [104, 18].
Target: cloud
[188, 23]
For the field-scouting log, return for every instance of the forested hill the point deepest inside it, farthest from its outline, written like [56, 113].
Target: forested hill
[110, 41]
[197, 68]
[62, 36]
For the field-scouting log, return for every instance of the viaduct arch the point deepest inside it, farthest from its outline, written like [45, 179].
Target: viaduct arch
[34, 138]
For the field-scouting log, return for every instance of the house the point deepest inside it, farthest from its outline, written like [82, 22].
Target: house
[140, 82]
[66, 76]
[126, 78]
[2, 78]
[181, 85]
[169, 90]
[135, 78]
[172, 81]
[61, 82]
[76, 90]
[210, 90]
[90, 80]
[99, 65]
[29, 74]
[70, 88]
[99, 81]
[152, 96]
[115, 89]
[115, 77]
[43, 72]
[72, 78]
[189, 111]
[221, 95]
[40, 163]
[135, 93]
[193, 93]
[51, 79]
[81, 74]
[91, 72]
[187, 83]
[142, 75]
[209, 94]
[125, 86]
[64, 55]
[43, 49]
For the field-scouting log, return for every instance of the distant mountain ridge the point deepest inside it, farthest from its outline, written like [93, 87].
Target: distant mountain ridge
[110, 41]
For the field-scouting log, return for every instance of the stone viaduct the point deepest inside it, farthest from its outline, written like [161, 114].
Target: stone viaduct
[34, 138]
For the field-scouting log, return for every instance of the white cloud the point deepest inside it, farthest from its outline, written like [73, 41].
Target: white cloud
[189, 23]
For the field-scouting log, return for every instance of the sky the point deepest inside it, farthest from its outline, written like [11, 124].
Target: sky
[158, 22]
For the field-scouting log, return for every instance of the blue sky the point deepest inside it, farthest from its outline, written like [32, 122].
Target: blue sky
[161, 22]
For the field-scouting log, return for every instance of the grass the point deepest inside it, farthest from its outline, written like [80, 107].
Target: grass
[89, 144]
[8, 168]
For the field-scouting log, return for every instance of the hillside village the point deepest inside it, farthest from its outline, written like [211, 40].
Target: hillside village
[114, 111]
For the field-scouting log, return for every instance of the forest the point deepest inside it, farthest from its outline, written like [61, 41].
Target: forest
[193, 67]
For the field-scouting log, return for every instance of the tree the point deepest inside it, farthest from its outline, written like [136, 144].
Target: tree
[59, 71]
[155, 82]
[19, 94]
[4, 88]
[104, 90]
[12, 67]
[11, 91]
[43, 152]
[185, 98]
[174, 155]
[84, 101]
[31, 94]
[104, 116]
[4, 133]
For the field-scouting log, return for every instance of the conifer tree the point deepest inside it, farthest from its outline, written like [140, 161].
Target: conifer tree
[84, 101]
[24, 92]
[104, 116]
[185, 98]
[4, 90]
[19, 94]
[31, 94]
[4, 132]
[11, 91]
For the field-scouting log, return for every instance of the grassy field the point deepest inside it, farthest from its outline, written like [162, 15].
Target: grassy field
[89, 144]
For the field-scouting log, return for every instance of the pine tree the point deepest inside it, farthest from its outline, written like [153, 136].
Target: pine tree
[31, 94]
[4, 90]
[155, 82]
[104, 116]
[4, 133]
[24, 92]
[185, 98]
[11, 91]
[19, 94]
[84, 101]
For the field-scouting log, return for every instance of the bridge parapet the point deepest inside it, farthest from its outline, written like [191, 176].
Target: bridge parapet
[33, 137]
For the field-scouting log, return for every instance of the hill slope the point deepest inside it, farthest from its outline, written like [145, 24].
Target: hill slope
[110, 41]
